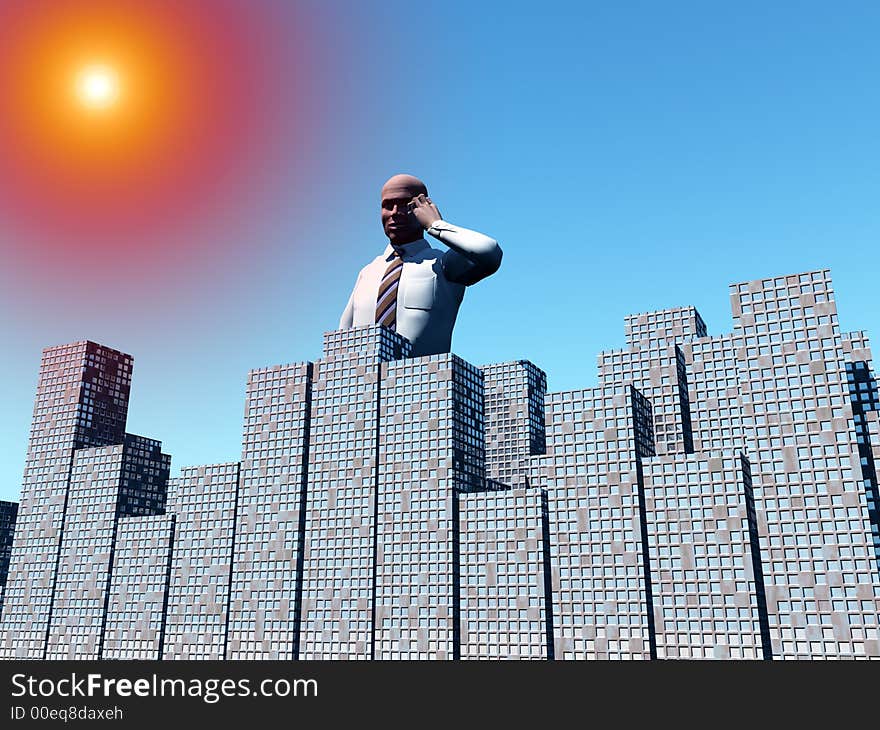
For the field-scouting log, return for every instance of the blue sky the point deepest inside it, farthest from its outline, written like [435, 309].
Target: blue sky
[627, 156]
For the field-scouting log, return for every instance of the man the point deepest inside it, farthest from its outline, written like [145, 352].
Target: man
[413, 288]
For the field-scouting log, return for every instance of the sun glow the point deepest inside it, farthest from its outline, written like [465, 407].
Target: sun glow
[122, 118]
[97, 86]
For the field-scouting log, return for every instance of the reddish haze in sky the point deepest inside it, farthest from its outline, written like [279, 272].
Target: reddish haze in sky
[191, 118]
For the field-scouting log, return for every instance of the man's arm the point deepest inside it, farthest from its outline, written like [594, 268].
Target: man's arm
[472, 256]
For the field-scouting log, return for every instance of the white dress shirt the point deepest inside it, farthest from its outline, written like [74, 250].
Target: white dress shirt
[431, 288]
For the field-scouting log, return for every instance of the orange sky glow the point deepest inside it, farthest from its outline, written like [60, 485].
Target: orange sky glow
[116, 116]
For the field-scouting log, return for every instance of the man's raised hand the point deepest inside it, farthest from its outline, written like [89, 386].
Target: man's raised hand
[424, 210]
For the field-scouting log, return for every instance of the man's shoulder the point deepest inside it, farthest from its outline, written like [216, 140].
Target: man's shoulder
[380, 259]
[429, 252]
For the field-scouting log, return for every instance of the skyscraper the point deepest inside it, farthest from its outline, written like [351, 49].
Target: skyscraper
[137, 606]
[812, 507]
[266, 563]
[515, 430]
[706, 576]
[865, 404]
[348, 395]
[203, 500]
[601, 592]
[81, 401]
[431, 451]
[106, 484]
[504, 567]
[8, 514]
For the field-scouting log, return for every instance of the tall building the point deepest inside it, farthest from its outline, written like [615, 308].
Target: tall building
[106, 484]
[601, 591]
[431, 443]
[777, 388]
[8, 514]
[713, 497]
[506, 612]
[137, 605]
[865, 404]
[203, 500]
[515, 430]
[81, 401]
[270, 515]
[348, 396]
[706, 577]
[653, 362]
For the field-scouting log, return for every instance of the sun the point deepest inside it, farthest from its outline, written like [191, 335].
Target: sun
[97, 86]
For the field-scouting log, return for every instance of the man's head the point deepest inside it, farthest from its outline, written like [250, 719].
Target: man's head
[398, 221]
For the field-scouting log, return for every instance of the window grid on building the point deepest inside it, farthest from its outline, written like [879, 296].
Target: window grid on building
[713, 497]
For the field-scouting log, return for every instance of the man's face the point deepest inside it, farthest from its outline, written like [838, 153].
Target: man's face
[399, 223]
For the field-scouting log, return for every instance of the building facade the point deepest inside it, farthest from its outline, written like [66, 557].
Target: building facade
[203, 500]
[340, 536]
[431, 451]
[106, 484]
[269, 518]
[81, 402]
[137, 605]
[504, 564]
[514, 394]
[8, 515]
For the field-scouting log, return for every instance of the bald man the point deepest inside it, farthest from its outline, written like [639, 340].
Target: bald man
[412, 288]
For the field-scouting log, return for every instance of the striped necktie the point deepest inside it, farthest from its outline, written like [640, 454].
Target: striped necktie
[386, 302]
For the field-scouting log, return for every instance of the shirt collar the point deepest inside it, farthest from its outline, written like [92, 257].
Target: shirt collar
[407, 250]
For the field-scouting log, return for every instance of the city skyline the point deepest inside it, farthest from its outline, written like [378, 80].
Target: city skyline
[713, 496]
[702, 145]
